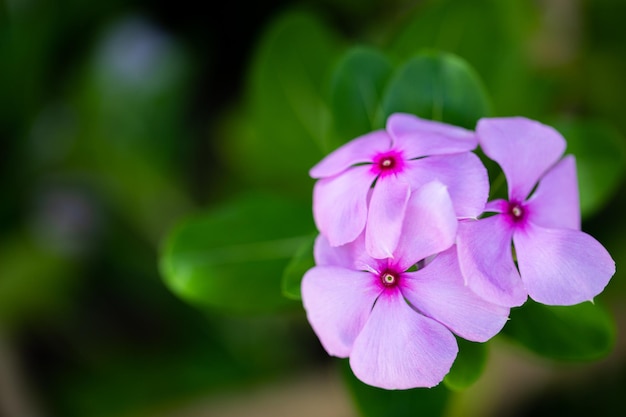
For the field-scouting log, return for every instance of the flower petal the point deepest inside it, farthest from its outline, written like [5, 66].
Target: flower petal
[359, 150]
[351, 255]
[439, 292]
[524, 149]
[337, 303]
[326, 255]
[561, 266]
[486, 260]
[385, 215]
[555, 203]
[399, 348]
[340, 204]
[429, 226]
[497, 206]
[463, 174]
[420, 137]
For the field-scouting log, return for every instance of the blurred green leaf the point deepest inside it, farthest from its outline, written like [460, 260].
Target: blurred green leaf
[600, 160]
[289, 116]
[602, 64]
[377, 402]
[356, 92]
[492, 35]
[301, 262]
[463, 28]
[584, 331]
[232, 258]
[468, 366]
[437, 86]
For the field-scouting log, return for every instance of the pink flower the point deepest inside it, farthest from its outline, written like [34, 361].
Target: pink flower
[558, 263]
[370, 179]
[395, 323]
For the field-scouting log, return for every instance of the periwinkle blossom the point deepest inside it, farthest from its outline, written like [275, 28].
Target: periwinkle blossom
[370, 179]
[558, 263]
[396, 323]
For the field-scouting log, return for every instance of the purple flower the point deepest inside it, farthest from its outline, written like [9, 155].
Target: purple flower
[394, 322]
[558, 263]
[369, 180]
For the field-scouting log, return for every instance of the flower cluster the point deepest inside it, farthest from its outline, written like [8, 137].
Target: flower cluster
[410, 253]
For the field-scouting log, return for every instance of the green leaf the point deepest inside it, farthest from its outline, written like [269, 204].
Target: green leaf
[301, 262]
[232, 258]
[468, 366]
[437, 86]
[601, 65]
[289, 117]
[600, 160]
[584, 331]
[492, 35]
[377, 402]
[356, 92]
[464, 28]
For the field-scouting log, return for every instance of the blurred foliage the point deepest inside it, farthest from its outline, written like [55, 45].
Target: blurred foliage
[600, 160]
[377, 402]
[574, 333]
[232, 259]
[301, 262]
[287, 115]
[118, 120]
[356, 91]
[29, 289]
[489, 34]
[439, 87]
[468, 365]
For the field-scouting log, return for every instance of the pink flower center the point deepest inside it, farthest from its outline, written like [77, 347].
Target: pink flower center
[389, 162]
[389, 278]
[516, 210]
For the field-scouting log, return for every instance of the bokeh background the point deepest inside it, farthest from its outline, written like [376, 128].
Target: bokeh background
[120, 118]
